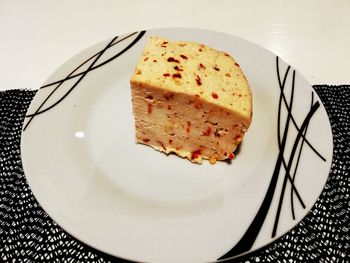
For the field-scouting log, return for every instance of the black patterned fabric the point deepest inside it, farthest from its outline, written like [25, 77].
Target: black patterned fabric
[28, 234]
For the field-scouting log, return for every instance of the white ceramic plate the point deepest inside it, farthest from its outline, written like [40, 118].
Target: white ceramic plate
[84, 168]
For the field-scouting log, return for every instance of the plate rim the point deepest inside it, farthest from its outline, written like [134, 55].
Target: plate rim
[190, 29]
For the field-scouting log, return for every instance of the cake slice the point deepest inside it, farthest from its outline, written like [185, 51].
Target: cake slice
[190, 99]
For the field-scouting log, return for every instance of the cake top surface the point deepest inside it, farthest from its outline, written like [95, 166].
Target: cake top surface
[194, 69]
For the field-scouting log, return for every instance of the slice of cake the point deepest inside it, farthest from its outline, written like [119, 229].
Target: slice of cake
[190, 99]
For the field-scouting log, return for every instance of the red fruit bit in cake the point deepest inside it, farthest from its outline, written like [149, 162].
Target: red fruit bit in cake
[178, 68]
[164, 44]
[236, 64]
[166, 74]
[145, 140]
[177, 75]
[196, 154]
[145, 59]
[214, 95]
[201, 66]
[168, 96]
[216, 68]
[154, 60]
[231, 156]
[171, 59]
[228, 75]
[197, 104]
[183, 56]
[198, 80]
[188, 128]
[227, 55]
[169, 107]
[149, 108]
[207, 132]
[170, 141]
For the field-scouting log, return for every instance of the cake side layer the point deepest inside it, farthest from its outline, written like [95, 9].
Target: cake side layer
[185, 124]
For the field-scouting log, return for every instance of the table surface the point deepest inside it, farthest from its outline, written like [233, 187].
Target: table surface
[37, 36]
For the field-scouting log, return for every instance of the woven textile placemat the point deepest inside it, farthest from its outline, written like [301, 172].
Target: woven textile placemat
[28, 234]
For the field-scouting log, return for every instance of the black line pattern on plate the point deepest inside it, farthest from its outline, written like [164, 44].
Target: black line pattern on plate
[81, 75]
[282, 85]
[296, 166]
[306, 121]
[249, 237]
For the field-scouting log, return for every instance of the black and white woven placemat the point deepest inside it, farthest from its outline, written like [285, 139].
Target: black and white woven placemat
[28, 234]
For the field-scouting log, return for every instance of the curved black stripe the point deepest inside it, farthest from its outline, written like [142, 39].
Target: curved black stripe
[282, 85]
[293, 120]
[297, 165]
[286, 128]
[299, 135]
[70, 76]
[82, 74]
[66, 94]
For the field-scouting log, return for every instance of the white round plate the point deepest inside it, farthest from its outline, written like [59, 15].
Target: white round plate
[128, 200]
